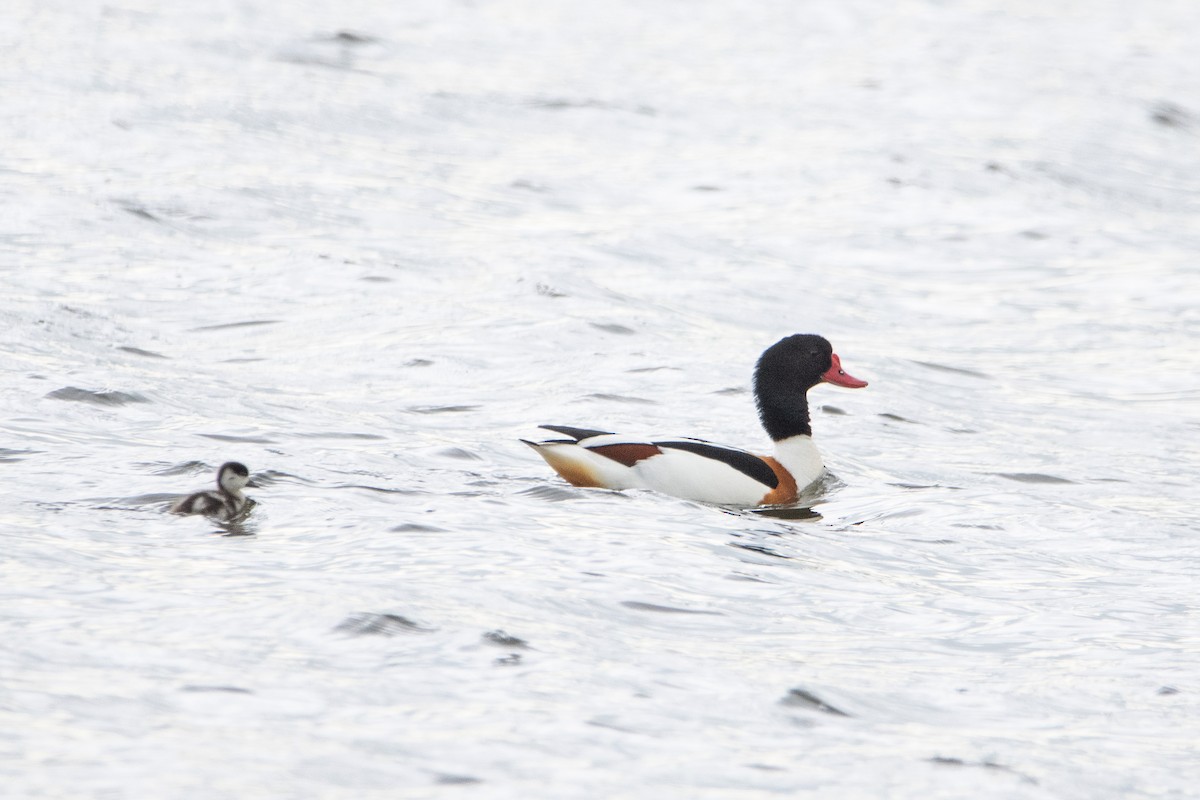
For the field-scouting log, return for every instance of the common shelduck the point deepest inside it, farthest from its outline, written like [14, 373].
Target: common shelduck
[227, 502]
[698, 470]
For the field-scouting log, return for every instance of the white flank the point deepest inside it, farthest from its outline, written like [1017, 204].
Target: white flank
[694, 477]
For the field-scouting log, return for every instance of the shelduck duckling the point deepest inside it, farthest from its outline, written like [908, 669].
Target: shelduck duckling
[698, 470]
[227, 502]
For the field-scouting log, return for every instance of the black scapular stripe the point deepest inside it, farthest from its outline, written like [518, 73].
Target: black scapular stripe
[743, 462]
[578, 434]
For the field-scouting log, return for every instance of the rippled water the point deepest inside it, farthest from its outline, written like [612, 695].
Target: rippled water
[364, 247]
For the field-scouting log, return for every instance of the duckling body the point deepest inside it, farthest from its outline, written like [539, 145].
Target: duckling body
[227, 502]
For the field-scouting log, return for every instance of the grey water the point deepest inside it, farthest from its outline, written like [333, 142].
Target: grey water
[366, 247]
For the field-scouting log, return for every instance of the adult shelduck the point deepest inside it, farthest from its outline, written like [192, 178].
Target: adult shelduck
[698, 470]
[227, 502]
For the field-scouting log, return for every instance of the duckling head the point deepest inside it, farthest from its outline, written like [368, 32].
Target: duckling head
[232, 477]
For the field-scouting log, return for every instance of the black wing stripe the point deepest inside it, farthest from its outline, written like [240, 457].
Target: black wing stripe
[578, 434]
[746, 463]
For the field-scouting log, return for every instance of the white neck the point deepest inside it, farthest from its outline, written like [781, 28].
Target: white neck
[800, 456]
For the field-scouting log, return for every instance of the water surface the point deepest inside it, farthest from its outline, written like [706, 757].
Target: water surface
[364, 249]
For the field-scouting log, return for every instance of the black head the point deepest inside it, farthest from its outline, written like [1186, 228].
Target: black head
[797, 362]
[785, 373]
